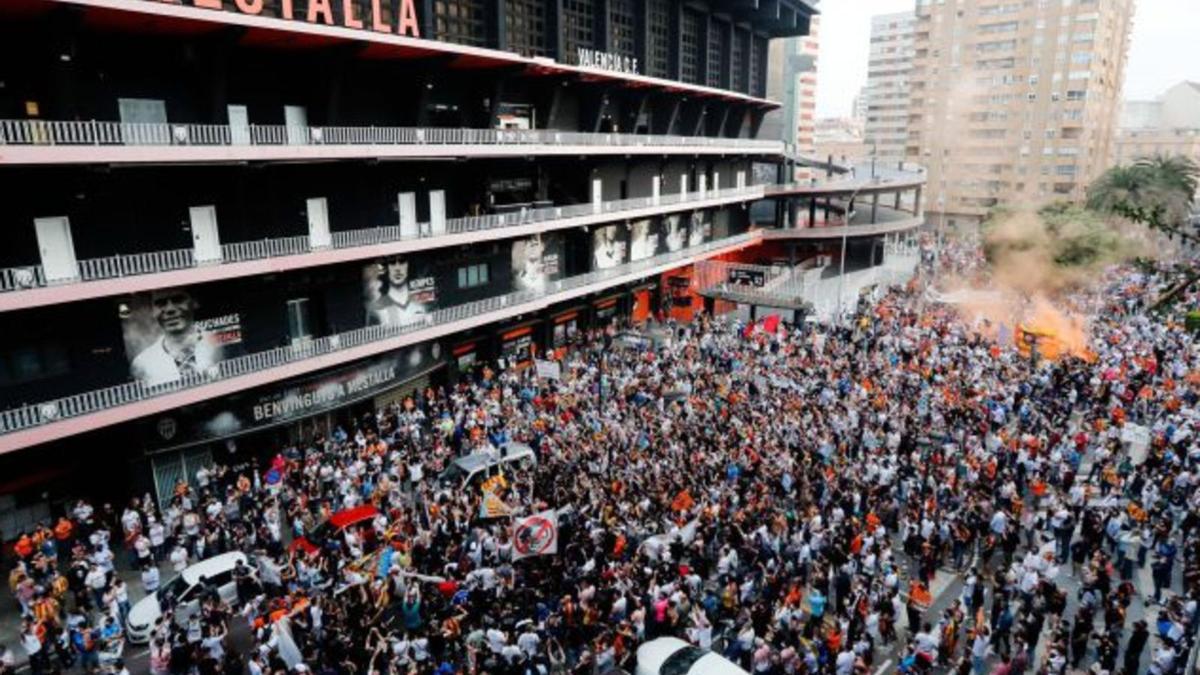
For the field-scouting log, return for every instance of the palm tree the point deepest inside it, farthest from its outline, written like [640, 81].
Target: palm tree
[1157, 192]
[1174, 181]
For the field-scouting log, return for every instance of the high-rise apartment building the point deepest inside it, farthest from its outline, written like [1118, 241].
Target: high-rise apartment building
[887, 92]
[792, 80]
[859, 106]
[1015, 101]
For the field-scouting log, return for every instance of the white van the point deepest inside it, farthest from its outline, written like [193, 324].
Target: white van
[672, 656]
[184, 593]
[478, 467]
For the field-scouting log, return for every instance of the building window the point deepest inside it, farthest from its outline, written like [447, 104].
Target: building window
[737, 60]
[473, 276]
[658, 51]
[689, 48]
[525, 21]
[716, 48]
[758, 67]
[460, 21]
[299, 319]
[622, 27]
[579, 18]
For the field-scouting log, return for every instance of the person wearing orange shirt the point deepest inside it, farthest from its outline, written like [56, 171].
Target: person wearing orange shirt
[24, 546]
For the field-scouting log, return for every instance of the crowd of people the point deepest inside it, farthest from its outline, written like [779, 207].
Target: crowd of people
[906, 494]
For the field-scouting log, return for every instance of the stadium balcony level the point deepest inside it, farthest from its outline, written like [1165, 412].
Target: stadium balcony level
[27, 286]
[863, 223]
[42, 422]
[27, 142]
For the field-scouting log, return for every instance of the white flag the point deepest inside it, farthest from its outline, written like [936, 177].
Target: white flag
[535, 535]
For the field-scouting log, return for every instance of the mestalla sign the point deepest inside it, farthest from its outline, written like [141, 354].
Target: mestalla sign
[398, 17]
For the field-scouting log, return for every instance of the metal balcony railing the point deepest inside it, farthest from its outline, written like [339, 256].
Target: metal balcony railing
[38, 414]
[95, 132]
[115, 266]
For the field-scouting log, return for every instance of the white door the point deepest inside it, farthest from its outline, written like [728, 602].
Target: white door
[437, 212]
[295, 118]
[206, 239]
[239, 125]
[57, 249]
[407, 202]
[318, 223]
[597, 194]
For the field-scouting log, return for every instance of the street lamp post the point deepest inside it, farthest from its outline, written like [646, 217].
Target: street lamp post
[845, 241]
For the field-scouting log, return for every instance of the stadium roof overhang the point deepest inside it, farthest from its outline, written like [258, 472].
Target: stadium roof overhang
[182, 19]
[776, 18]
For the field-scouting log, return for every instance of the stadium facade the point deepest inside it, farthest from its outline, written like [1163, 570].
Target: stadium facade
[232, 223]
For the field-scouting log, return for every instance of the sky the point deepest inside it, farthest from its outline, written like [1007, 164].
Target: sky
[1160, 55]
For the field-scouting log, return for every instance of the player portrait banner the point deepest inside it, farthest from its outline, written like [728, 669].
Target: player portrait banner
[175, 332]
[535, 535]
[609, 247]
[674, 233]
[643, 239]
[536, 261]
[398, 290]
[701, 228]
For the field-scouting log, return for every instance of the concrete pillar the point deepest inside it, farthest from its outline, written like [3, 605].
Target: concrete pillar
[597, 194]
[437, 212]
[406, 202]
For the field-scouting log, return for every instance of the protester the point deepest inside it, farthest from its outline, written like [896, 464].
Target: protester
[799, 498]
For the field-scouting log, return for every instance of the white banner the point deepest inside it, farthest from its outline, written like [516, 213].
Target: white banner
[550, 370]
[535, 535]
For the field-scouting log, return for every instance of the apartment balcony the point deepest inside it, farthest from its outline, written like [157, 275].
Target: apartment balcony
[28, 142]
[28, 286]
[49, 420]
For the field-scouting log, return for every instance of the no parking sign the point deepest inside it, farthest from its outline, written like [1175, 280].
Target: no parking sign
[535, 535]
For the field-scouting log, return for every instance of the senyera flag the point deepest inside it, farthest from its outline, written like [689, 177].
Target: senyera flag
[535, 535]
[769, 324]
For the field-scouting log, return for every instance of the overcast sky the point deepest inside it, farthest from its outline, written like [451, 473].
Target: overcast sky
[1163, 50]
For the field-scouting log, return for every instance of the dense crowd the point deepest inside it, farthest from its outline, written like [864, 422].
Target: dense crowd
[905, 492]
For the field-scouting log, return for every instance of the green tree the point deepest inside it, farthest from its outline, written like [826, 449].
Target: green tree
[1157, 192]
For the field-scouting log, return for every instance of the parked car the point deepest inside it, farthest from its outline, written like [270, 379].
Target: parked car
[478, 467]
[313, 541]
[184, 593]
[672, 656]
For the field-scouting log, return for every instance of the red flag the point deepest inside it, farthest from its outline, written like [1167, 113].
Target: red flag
[771, 323]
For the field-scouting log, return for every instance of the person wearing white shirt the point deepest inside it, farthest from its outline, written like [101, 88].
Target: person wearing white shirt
[529, 641]
[179, 558]
[496, 639]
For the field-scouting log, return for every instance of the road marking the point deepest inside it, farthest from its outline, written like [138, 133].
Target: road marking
[884, 666]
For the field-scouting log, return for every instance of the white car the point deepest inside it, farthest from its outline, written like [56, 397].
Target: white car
[672, 656]
[479, 466]
[184, 594]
